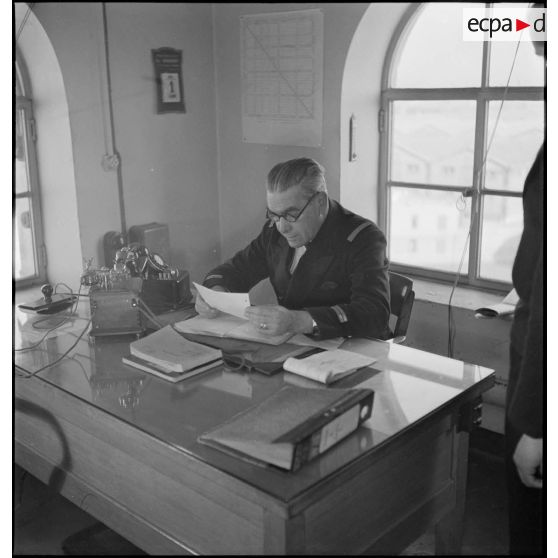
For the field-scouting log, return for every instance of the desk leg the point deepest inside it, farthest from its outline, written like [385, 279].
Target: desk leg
[449, 531]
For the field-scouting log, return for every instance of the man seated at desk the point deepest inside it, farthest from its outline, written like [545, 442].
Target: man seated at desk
[327, 265]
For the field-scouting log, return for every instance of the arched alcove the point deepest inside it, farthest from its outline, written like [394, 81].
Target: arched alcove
[360, 97]
[54, 149]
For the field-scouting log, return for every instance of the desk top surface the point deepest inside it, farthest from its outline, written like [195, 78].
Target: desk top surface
[409, 384]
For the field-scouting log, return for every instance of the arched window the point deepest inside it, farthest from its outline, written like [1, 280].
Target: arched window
[447, 102]
[29, 261]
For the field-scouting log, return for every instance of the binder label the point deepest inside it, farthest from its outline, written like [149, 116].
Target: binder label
[338, 428]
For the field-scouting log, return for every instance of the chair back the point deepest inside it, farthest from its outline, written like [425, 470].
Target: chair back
[402, 298]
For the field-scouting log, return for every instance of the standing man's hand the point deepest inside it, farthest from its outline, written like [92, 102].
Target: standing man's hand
[203, 309]
[272, 319]
[528, 460]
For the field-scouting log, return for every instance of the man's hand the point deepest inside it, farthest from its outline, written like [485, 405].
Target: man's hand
[203, 309]
[272, 319]
[528, 460]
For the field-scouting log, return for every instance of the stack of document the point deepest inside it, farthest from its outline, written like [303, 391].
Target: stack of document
[169, 355]
[229, 324]
[328, 366]
[232, 323]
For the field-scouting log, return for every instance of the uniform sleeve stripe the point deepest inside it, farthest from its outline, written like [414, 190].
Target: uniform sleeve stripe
[341, 316]
[214, 277]
[355, 232]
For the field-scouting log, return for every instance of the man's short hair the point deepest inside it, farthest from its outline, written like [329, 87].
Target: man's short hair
[303, 172]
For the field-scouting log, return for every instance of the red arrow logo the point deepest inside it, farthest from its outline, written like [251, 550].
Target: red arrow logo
[519, 25]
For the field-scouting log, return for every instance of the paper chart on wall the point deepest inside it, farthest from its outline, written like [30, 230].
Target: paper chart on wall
[282, 78]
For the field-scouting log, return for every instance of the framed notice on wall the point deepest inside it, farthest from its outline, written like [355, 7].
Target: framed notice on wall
[168, 77]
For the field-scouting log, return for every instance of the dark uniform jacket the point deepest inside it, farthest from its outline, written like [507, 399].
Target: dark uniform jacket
[525, 409]
[341, 280]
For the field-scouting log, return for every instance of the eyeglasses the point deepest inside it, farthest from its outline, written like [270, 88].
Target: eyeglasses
[276, 217]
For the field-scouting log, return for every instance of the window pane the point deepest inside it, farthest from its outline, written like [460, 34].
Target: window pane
[528, 69]
[24, 252]
[20, 154]
[501, 230]
[517, 139]
[433, 142]
[427, 230]
[434, 53]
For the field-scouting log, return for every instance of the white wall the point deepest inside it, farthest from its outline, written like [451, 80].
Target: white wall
[169, 163]
[170, 171]
[362, 80]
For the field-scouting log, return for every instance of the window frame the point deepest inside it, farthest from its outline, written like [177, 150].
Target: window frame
[24, 102]
[482, 96]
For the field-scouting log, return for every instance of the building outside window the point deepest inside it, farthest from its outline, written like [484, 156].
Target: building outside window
[29, 261]
[441, 110]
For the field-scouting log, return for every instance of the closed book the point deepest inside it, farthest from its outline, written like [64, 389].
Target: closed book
[164, 373]
[226, 325]
[328, 366]
[168, 349]
[293, 426]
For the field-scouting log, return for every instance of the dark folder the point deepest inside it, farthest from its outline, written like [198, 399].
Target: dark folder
[293, 426]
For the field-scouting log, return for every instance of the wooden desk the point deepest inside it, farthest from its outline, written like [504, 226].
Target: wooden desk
[121, 444]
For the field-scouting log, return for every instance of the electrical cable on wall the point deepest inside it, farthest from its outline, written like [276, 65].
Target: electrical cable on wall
[113, 161]
[451, 323]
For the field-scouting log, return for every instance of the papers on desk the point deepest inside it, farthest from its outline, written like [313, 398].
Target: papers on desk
[234, 304]
[328, 366]
[167, 354]
[504, 308]
[229, 303]
[232, 323]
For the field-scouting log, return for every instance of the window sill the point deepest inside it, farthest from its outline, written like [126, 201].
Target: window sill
[466, 298]
[27, 293]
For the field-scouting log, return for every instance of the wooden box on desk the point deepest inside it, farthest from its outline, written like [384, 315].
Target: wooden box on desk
[114, 312]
